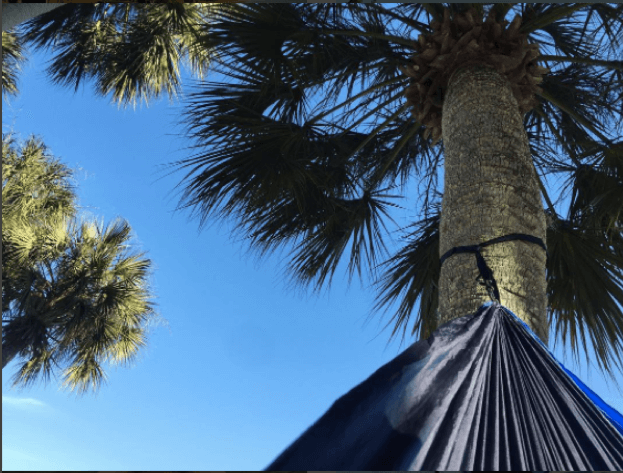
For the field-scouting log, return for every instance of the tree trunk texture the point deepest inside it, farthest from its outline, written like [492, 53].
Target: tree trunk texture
[491, 190]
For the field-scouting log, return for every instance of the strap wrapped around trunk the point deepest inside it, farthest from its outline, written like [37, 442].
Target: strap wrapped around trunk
[486, 275]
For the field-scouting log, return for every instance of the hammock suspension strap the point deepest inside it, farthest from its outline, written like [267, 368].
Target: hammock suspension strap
[486, 275]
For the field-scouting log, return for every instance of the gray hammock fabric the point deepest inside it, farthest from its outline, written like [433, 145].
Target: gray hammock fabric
[481, 393]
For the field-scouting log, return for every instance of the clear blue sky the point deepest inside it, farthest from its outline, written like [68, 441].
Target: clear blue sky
[243, 366]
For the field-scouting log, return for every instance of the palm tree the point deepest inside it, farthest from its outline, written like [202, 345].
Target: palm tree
[70, 292]
[482, 96]
[132, 50]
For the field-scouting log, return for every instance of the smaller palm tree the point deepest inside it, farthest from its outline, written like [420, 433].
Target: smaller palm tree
[70, 292]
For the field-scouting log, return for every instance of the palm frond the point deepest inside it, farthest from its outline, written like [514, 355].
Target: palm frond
[412, 275]
[71, 290]
[287, 185]
[585, 291]
[546, 14]
[611, 20]
[40, 365]
[435, 10]
[498, 11]
[575, 101]
[132, 50]
[12, 60]
[597, 196]
[127, 344]
[84, 372]
[355, 219]
[37, 198]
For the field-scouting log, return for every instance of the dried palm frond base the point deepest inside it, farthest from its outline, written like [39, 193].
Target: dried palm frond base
[462, 41]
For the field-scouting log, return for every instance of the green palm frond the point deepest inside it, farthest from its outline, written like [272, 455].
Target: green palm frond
[40, 365]
[12, 60]
[411, 275]
[132, 50]
[597, 196]
[95, 306]
[37, 198]
[576, 102]
[273, 159]
[585, 291]
[127, 344]
[345, 220]
[543, 16]
[84, 372]
[32, 182]
[103, 316]
[72, 293]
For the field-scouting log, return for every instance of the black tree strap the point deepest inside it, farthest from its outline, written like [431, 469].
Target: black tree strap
[486, 275]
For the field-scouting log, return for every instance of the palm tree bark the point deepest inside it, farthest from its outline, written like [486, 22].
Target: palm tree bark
[491, 190]
[15, 13]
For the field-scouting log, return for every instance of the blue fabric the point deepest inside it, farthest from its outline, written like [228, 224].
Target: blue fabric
[611, 413]
[480, 394]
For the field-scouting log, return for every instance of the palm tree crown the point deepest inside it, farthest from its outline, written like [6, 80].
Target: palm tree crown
[71, 293]
[295, 173]
[132, 50]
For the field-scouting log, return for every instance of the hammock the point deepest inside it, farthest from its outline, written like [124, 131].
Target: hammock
[482, 393]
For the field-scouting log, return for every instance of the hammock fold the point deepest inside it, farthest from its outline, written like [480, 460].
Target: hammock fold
[482, 393]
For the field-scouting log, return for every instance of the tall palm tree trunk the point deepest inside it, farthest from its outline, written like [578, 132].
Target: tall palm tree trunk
[491, 190]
